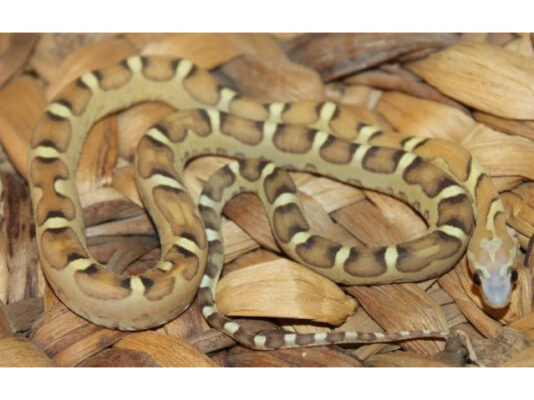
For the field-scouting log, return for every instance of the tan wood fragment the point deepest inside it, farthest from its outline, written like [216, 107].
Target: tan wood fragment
[20, 352]
[165, 350]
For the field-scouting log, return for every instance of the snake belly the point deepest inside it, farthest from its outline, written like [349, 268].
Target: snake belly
[296, 135]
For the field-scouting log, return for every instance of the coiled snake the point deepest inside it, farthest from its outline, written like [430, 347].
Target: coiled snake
[440, 180]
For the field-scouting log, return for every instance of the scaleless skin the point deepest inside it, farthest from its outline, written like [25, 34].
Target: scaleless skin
[294, 135]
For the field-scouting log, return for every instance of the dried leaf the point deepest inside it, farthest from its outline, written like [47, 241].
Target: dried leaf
[99, 156]
[307, 357]
[282, 289]
[414, 116]
[267, 79]
[403, 359]
[25, 277]
[11, 59]
[165, 350]
[403, 307]
[209, 50]
[486, 77]
[87, 58]
[338, 54]
[511, 126]
[395, 79]
[21, 104]
[135, 121]
[119, 358]
[69, 339]
[52, 48]
[20, 352]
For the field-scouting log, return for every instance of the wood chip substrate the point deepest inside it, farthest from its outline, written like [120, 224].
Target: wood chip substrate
[476, 90]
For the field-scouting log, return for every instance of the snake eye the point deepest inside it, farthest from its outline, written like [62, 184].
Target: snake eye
[513, 276]
[476, 279]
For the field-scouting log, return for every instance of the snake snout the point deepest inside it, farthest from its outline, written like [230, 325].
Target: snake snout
[497, 288]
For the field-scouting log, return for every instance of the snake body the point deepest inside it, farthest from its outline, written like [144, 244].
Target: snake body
[456, 198]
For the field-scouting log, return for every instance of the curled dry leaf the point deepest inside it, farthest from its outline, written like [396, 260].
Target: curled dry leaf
[270, 79]
[209, 50]
[165, 350]
[486, 77]
[282, 289]
[20, 352]
[21, 104]
[13, 58]
[338, 54]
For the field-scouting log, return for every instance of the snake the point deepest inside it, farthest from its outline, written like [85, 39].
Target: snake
[439, 179]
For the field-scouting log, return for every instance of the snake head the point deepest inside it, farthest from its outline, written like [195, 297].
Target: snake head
[494, 272]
